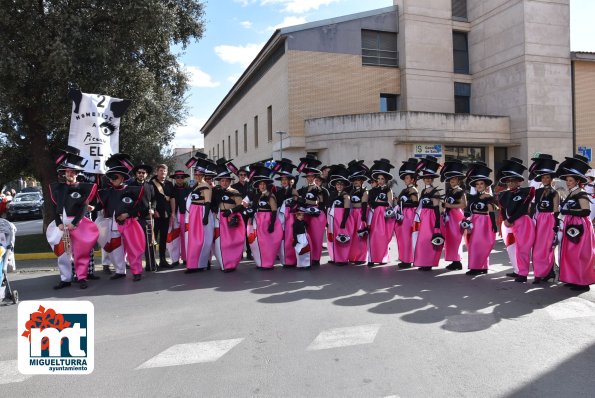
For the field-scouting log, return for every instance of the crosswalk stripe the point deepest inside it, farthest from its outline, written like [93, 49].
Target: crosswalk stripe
[9, 372]
[574, 307]
[190, 353]
[343, 337]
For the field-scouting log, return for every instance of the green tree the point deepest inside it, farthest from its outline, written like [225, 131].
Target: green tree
[120, 48]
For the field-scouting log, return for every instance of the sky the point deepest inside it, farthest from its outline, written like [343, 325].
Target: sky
[236, 30]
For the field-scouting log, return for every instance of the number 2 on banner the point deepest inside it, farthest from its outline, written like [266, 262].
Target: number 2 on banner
[100, 104]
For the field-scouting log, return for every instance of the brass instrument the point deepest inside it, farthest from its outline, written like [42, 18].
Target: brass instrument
[67, 241]
[150, 230]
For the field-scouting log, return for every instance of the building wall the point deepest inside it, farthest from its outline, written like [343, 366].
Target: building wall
[325, 84]
[584, 97]
[270, 90]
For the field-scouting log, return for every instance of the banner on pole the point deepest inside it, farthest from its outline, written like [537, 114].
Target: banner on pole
[95, 127]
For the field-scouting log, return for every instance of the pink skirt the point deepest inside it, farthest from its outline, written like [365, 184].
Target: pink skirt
[524, 234]
[543, 252]
[265, 245]
[134, 240]
[229, 241]
[287, 251]
[358, 251]
[480, 242]
[315, 226]
[577, 260]
[83, 240]
[406, 235]
[199, 238]
[426, 254]
[453, 235]
[381, 233]
[340, 251]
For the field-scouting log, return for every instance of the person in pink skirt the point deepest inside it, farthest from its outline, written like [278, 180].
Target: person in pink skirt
[339, 207]
[264, 232]
[381, 215]
[286, 196]
[407, 202]
[518, 229]
[358, 251]
[546, 209]
[577, 243]
[430, 240]
[455, 201]
[480, 223]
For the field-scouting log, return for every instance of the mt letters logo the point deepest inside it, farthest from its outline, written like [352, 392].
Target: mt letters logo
[56, 337]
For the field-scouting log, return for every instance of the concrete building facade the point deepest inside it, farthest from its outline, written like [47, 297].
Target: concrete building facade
[476, 80]
[583, 73]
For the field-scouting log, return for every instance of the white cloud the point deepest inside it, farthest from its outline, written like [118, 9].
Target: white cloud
[189, 134]
[234, 78]
[242, 55]
[299, 6]
[198, 78]
[288, 21]
[246, 24]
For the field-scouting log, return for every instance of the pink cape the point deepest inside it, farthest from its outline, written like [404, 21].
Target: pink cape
[543, 252]
[406, 235]
[453, 235]
[577, 259]
[315, 226]
[480, 242]
[340, 251]
[358, 251]
[134, 243]
[381, 233]
[265, 246]
[426, 254]
[229, 241]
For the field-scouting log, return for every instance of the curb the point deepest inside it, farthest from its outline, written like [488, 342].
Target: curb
[41, 256]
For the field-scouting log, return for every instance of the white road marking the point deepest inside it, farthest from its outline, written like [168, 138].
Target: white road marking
[185, 354]
[9, 372]
[574, 307]
[343, 337]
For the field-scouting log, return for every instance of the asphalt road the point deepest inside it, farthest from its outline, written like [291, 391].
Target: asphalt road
[29, 227]
[329, 332]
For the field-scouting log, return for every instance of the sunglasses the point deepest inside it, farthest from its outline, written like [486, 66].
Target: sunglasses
[179, 178]
[113, 177]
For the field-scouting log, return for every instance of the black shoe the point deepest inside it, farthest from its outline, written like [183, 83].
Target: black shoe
[191, 270]
[520, 279]
[454, 266]
[473, 272]
[537, 280]
[83, 284]
[106, 270]
[404, 265]
[117, 276]
[174, 264]
[62, 285]
[249, 256]
[315, 263]
[136, 277]
[371, 264]
[92, 277]
[359, 262]
[512, 275]
[550, 277]
[580, 288]
[165, 264]
[426, 269]
[227, 271]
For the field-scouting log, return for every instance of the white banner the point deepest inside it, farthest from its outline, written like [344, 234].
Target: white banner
[95, 127]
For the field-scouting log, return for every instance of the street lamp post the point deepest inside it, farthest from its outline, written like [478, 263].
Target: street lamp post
[281, 134]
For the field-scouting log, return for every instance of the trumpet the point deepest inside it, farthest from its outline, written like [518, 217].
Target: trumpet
[67, 241]
[150, 231]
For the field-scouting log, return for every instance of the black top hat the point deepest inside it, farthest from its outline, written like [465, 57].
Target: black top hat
[309, 164]
[338, 172]
[221, 169]
[179, 173]
[284, 167]
[357, 170]
[511, 168]
[143, 166]
[260, 173]
[452, 168]
[543, 164]
[478, 171]
[209, 167]
[119, 163]
[408, 168]
[428, 167]
[382, 167]
[69, 158]
[194, 159]
[576, 166]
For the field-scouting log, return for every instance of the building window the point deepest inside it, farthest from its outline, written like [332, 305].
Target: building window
[270, 123]
[462, 98]
[388, 102]
[245, 138]
[237, 144]
[465, 153]
[459, 9]
[255, 131]
[379, 48]
[460, 52]
[209, 153]
[217, 151]
[223, 146]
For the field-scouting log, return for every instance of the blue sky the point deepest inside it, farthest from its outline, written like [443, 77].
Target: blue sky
[237, 29]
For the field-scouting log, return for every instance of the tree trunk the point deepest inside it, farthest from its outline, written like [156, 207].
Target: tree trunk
[41, 162]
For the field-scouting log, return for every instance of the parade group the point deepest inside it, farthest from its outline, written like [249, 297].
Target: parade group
[352, 206]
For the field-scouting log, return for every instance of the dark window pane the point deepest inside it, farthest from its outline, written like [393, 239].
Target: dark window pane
[463, 89]
[459, 8]
[460, 52]
[379, 48]
[462, 104]
[388, 102]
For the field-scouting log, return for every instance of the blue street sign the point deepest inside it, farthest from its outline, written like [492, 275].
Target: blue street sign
[586, 151]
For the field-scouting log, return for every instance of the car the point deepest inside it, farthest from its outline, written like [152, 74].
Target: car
[25, 205]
